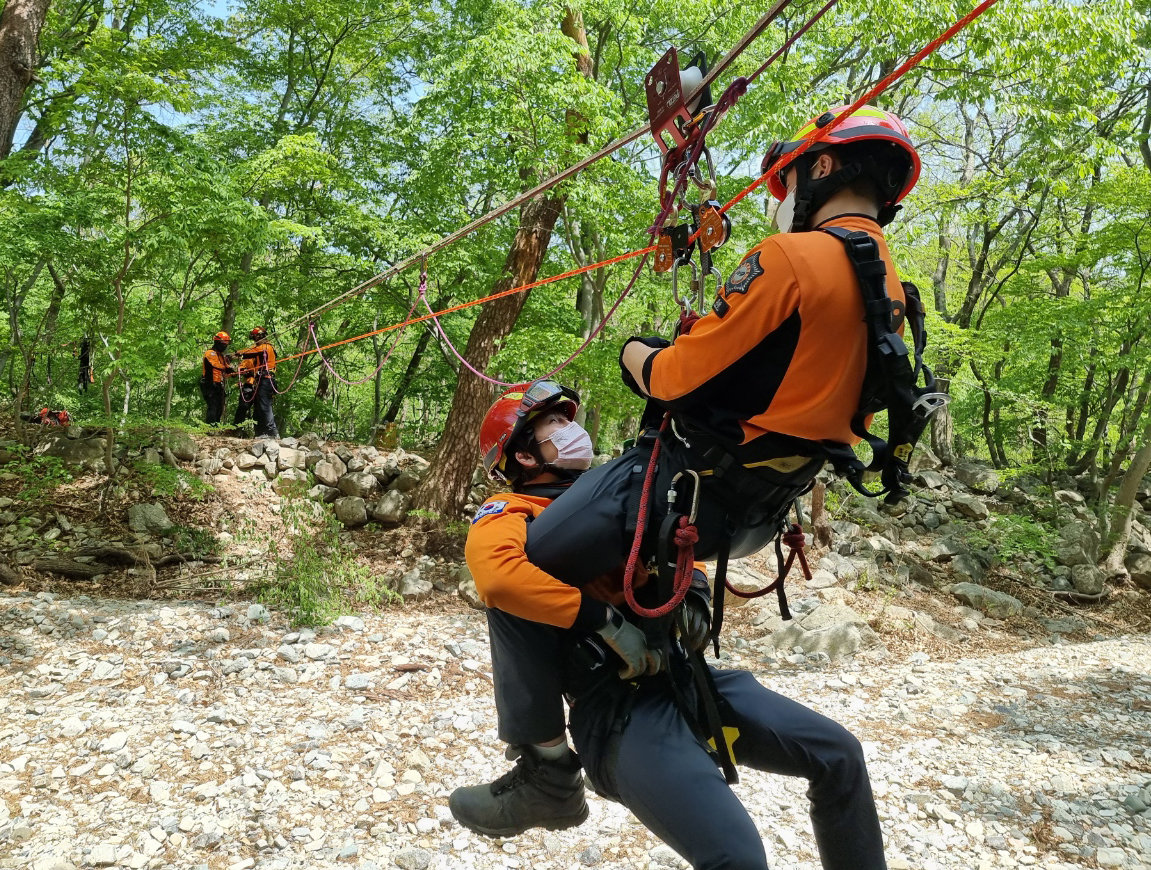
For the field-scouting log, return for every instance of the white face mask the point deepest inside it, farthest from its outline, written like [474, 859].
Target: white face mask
[785, 213]
[573, 446]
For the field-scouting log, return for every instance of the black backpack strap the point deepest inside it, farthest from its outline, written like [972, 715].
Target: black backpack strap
[891, 379]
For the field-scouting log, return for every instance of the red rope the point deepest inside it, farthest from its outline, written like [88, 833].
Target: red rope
[818, 135]
[794, 539]
[686, 537]
[821, 133]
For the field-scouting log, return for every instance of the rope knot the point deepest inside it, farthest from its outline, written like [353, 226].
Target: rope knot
[686, 535]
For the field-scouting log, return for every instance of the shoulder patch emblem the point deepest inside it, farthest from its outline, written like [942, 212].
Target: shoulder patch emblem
[746, 272]
[489, 509]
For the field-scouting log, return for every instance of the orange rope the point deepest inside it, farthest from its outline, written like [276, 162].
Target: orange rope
[523, 288]
[821, 133]
[816, 136]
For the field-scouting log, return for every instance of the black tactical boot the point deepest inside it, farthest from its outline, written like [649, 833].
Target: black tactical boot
[536, 793]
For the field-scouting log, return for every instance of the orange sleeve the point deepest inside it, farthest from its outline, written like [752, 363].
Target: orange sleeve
[505, 579]
[759, 297]
[271, 357]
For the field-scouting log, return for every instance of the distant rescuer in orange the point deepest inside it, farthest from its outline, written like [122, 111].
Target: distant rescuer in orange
[216, 364]
[258, 384]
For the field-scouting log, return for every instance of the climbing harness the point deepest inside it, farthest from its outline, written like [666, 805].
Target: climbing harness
[890, 381]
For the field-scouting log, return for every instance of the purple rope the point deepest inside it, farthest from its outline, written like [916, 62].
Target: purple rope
[387, 356]
[630, 284]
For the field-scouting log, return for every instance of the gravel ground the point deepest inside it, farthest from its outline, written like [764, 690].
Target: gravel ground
[158, 734]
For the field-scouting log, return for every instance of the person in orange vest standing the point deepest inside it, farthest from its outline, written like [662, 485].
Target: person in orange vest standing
[258, 384]
[217, 365]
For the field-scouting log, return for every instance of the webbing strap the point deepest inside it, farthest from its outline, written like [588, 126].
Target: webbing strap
[707, 693]
[890, 378]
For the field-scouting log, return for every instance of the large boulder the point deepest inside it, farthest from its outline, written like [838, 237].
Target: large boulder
[357, 483]
[413, 587]
[325, 494]
[391, 509]
[998, 605]
[1078, 544]
[291, 458]
[80, 452]
[290, 480]
[182, 445]
[145, 518]
[834, 641]
[969, 506]
[1139, 567]
[977, 477]
[329, 470]
[407, 481]
[246, 461]
[352, 511]
[1087, 579]
[967, 567]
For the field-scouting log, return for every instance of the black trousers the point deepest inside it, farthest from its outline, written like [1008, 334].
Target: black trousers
[588, 530]
[637, 748]
[214, 397]
[257, 404]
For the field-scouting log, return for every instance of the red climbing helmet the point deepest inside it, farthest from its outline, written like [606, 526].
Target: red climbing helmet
[222, 336]
[258, 333]
[510, 414]
[867, 123]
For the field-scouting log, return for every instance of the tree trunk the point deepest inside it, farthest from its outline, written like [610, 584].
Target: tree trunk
[20, 25]
[409, 375]
[444, 489]
[1115, 544]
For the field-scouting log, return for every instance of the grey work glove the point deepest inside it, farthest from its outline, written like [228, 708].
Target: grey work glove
[629, 643]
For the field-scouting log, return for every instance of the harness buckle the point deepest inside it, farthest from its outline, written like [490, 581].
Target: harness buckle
[929, 403]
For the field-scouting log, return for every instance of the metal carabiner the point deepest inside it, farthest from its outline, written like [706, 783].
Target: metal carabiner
[684, 302]
[718, 285]
[672, 493]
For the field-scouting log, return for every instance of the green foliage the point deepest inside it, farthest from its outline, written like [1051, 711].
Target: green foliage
[315, 576]
[168, 481]
[39, 476]
[1016, 536]
[193, 541]
[180, 167]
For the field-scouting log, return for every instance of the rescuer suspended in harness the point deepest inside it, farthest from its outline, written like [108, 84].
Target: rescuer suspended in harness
[635, 729]
[768, 384]
[257, 376]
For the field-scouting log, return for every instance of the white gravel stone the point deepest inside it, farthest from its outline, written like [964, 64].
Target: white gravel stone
[250, 755]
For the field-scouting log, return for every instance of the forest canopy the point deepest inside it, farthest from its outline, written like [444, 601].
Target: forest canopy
[178, 168]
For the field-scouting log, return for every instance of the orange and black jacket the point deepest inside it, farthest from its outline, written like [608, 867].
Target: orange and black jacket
[506, 580]
[215, 367]
[784, 347]
[256, 360]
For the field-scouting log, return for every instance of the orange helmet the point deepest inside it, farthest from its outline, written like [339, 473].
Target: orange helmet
[258, 333]
[222, 336]
[892, 164]
[510, 415]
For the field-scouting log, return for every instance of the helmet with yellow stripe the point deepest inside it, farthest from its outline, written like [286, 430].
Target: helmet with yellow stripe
[872, 144]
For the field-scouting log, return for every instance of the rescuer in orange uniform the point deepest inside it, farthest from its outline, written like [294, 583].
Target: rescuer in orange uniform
[628, 721]
[541, 626]
[760, 390]
[216, 365]
[258, 384]
[771, 376]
